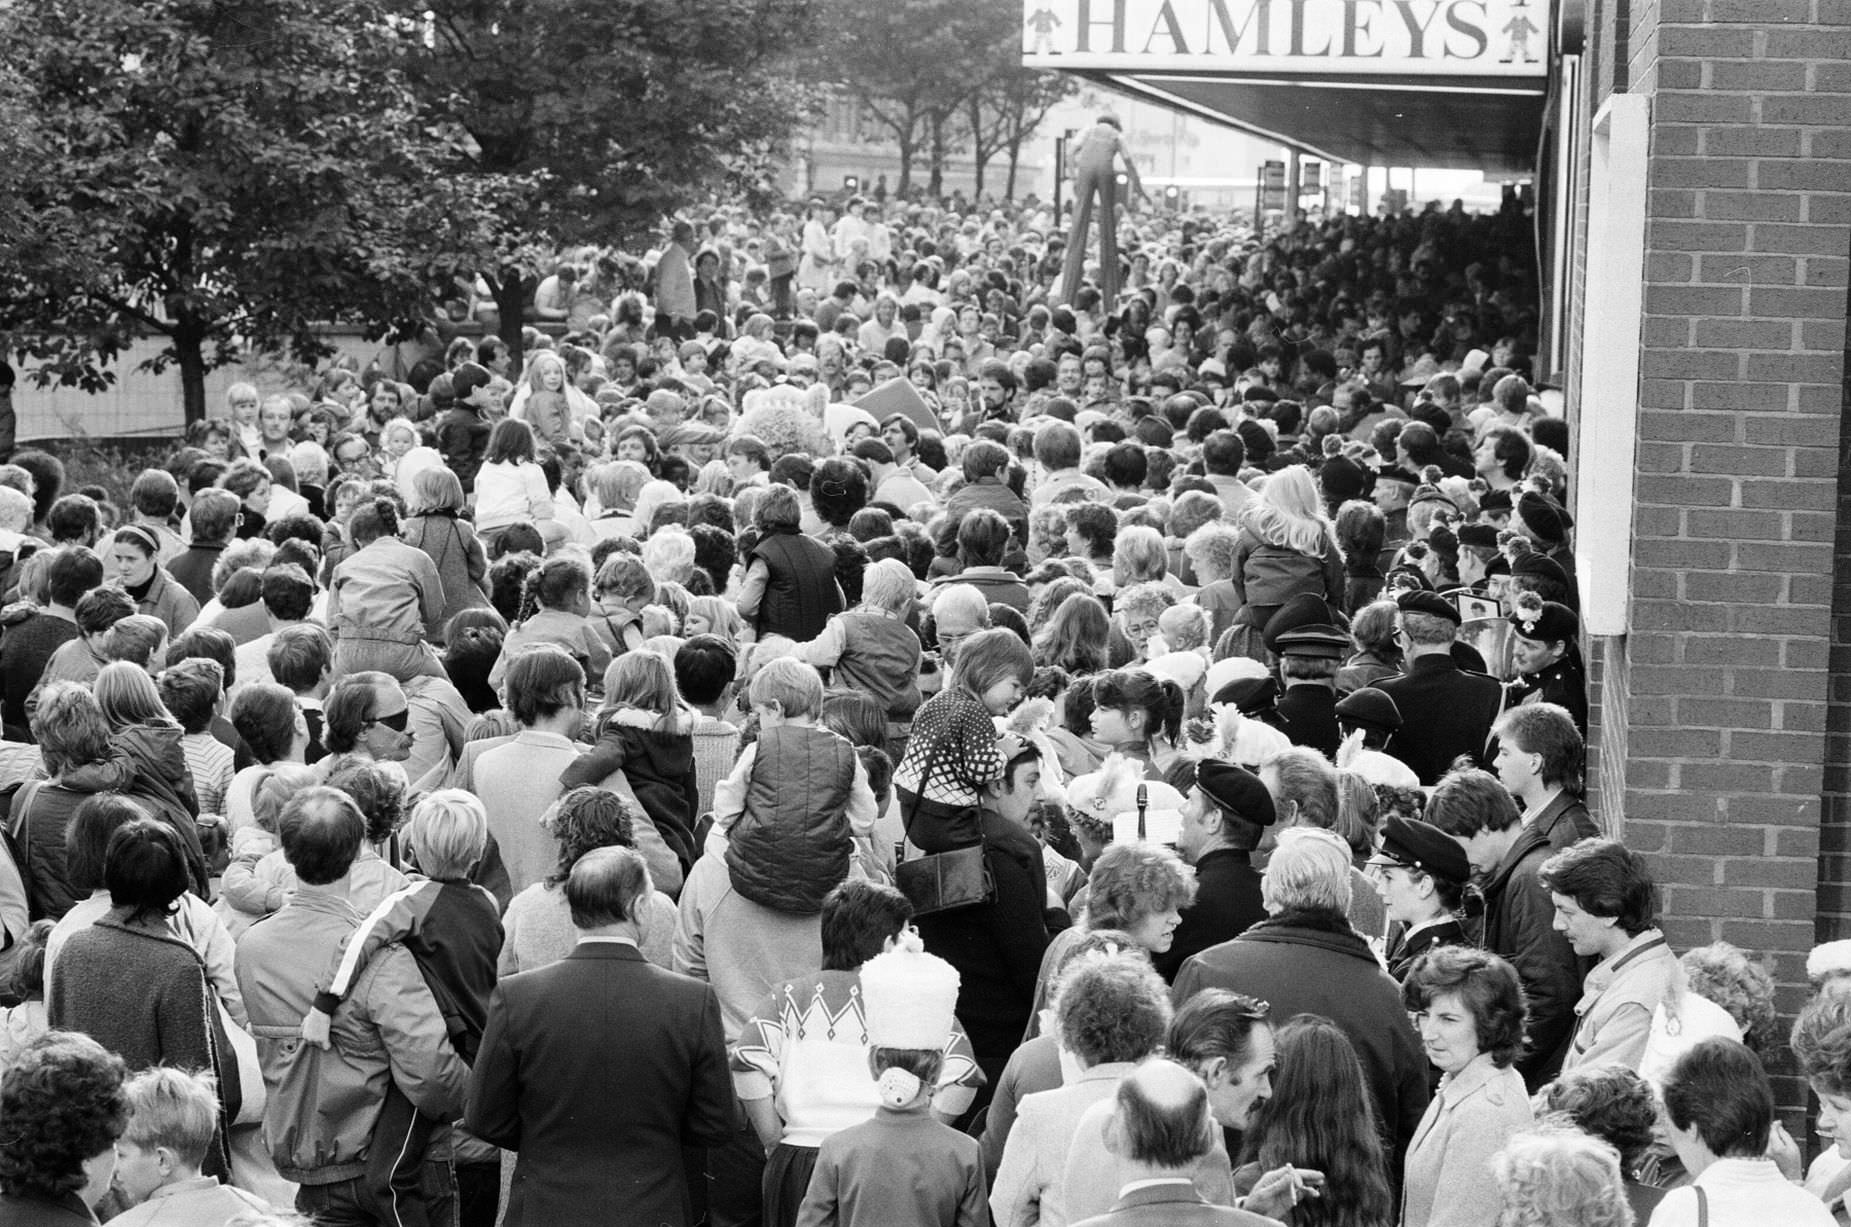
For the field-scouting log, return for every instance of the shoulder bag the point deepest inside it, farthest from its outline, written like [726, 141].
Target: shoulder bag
[942, 881]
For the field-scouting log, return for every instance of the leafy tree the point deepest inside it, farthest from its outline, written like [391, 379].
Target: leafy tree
[614, 113]
[1019, 101]
[908, 65]
[222, 175]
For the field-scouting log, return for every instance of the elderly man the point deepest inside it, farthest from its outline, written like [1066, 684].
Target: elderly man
[389, 1033]
[958, 612]
[599, 1114]
[1306, 959]
[1161, 1128]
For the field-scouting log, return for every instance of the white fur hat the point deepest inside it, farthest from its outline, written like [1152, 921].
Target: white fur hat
[1245, 741]
[1232, 669]
[1110, 794]
[1184, 668]
[1827, 959]
[909, 999]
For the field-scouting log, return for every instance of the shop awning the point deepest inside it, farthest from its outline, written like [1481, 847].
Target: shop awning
[1452, 84]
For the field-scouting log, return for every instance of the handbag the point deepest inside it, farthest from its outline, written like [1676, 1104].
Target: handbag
[942, 881]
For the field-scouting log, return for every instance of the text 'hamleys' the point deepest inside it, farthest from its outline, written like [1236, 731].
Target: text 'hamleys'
[1468, 38]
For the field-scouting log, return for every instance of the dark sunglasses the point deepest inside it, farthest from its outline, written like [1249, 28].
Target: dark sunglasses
[396, 722]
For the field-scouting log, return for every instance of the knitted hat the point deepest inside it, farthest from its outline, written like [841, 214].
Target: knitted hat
[1494, 501]
[909, 999]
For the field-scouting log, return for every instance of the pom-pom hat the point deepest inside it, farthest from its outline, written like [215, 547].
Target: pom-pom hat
[1543, 621]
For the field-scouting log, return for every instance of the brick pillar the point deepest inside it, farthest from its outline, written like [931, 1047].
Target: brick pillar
[1712, 709]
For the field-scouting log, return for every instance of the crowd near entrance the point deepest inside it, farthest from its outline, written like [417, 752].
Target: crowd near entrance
[871, 718]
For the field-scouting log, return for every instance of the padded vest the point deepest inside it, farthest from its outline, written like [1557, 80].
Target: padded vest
[801, 593]
[792, 846]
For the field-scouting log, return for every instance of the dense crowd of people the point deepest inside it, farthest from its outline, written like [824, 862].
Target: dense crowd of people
[834, 733]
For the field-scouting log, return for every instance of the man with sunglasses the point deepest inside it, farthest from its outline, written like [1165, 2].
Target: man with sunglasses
[367, 715]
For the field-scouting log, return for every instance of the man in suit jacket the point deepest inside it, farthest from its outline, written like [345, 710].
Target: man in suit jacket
[600, 1068]
[1162, 1127]
[1445, 711]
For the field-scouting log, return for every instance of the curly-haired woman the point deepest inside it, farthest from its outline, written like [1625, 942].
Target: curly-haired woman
[61, 1111]
[1617, 1106]
[538, 925]
[1560, 1179]
[1468, 1007]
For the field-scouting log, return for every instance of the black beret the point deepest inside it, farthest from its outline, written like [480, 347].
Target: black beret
[1251, 696]
[1483, 536]
[1548, 622]
[1544, 517]
[1236, 790]
[1428, 603]
[1369, 708]
[1343, 479]
[1417, 845]
[1541, 566]
[1494, 500]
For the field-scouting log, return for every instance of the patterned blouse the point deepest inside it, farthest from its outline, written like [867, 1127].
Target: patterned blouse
[956, 736]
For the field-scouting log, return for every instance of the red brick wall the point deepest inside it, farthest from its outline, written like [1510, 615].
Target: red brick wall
[1712, 712]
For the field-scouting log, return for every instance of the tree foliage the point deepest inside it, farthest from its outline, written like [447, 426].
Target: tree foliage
[616, 112]
[228, 174]
[219, 174]
[940, 76]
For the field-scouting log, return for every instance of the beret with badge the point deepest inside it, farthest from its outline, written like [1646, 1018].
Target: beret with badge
[1543, 621]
